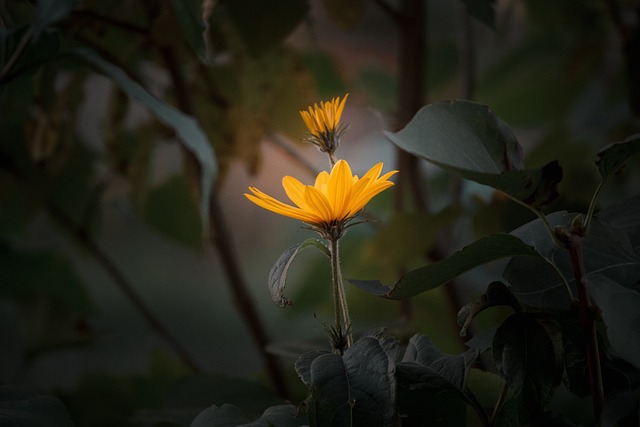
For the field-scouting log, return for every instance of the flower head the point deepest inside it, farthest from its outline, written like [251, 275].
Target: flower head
[329, 204]
[324, 125]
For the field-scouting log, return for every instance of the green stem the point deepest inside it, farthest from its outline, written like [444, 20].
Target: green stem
[592, 206]
[542, 217]
[340, 306]
[555, 239]
[499, 403]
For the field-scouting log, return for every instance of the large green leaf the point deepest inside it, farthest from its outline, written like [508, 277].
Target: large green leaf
[620, 313]
[431, 276]
[357, 388]
[186, 127]
[468, 139]
[25, 409]
[278, 273]
[614, 156]
[606, 250]
[528, 352]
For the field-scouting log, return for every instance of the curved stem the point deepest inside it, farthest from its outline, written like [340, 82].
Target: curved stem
[592, 205]
[542, 217]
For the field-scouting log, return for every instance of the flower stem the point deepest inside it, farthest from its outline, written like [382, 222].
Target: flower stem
[342, 319]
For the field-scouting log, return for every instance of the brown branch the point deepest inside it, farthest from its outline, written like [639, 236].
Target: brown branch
[587, 315]
[220, 238]
[121, 281]
[280, 142]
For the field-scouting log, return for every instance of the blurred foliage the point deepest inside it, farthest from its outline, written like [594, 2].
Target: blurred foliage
[216, 80]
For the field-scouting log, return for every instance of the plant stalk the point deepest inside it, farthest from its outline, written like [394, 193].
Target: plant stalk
[587, 315]
[340, 305]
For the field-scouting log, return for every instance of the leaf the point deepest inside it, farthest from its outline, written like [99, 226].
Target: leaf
[483, 11]
[606, 251]
[189, 15]
[230, 416]
[432, 384]
[26, 274]
[278, 274]
[620, 313]
[623, 215]
[618, 405]
[467, 139]
[433, 368]
[527, 351]
[431, 276]
[26, 409]
[50, 11]
[496, 294]
[181, 224]
[223, 416]
[186, 127]
[277, 20]
[614, 156]
[357, 388]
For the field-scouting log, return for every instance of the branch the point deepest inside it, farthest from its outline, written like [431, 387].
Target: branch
[121, 281]
[220, 238]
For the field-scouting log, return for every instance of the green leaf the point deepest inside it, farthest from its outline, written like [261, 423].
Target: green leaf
[189, 15]
[186, 127]
[613, 157]
[618, 405]
[230, 416]
[482, 10]
[623, 215]
[203, 390]
[468, 139]
[25, 409]
[357, 388]
[528, 353]
[431, 276]
[278, 274]
[606, 251]
[277, 20]
[50, 11]
[181, 222]
[432, 384]
[223, 416]
[496, 294]
[620, 313]
[26, 274]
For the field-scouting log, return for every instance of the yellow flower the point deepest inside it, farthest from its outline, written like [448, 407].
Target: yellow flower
[329, 204]
[323, 123]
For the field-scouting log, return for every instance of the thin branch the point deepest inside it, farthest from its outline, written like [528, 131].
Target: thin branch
[110, 20]
[280, 142]
[121, 281]
[390, 10]
[24, 42]
[220, 238]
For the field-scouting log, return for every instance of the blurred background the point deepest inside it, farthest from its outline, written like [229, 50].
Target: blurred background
[117, 298]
